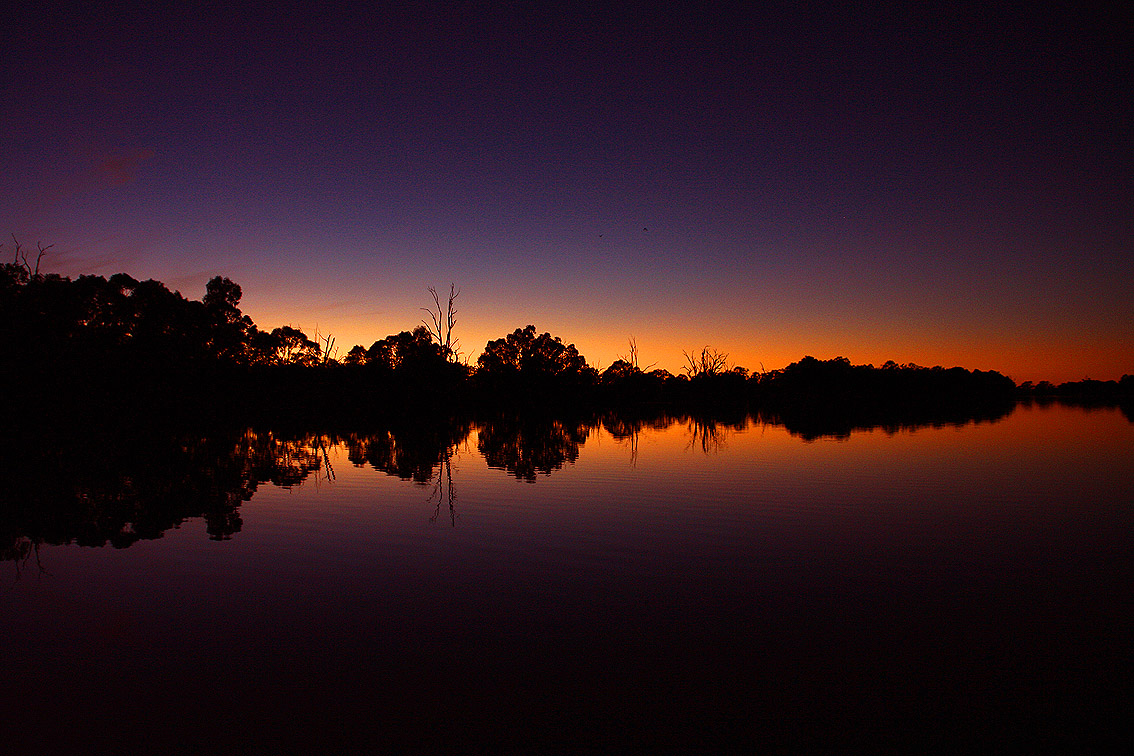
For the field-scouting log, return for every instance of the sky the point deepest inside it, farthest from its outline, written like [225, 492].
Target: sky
[944, 185]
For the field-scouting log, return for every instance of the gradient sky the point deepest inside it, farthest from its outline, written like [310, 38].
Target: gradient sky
[950, 185]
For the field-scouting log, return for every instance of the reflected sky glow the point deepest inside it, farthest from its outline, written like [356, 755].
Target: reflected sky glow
[661, 590]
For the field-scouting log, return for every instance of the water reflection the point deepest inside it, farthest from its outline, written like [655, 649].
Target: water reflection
[740, 588]
[420, 452]
[412, 451]
[626, 428]
[119, 487]
[443, 490]
[116, 488]
[811, 422]
[530, 446]
[710, 434]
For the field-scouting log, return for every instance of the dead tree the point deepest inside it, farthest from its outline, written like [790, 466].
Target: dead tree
[632, 358]
[708, 362]
[21, 257]
[325, 348]
[329, 351]
[443, 320]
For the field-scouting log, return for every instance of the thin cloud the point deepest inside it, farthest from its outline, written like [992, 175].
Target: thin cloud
[122, 167]
[85, 176]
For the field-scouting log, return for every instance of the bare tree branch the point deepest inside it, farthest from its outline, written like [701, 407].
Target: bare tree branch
[632, 358]
[708, 362]
[20, 257]
[443, 320]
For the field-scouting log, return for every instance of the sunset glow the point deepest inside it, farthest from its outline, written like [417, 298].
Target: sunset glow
[931, 187]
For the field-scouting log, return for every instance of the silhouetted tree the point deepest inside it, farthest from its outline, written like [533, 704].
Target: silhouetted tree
[443, 321]
[222, 299]
[231, 331]
[533, 363]
[708, 362]
[290, 346]
[620, 370]
[356, 355]
[410, 351]
[20, 259]
[826, 393]
[105, 341]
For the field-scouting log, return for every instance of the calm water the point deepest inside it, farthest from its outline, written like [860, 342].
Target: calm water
[565, 587]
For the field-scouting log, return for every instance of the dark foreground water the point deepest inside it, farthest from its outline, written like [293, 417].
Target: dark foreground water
[569, 588]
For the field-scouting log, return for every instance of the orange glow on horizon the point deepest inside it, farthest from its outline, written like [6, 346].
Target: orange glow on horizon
[766, 334]
[662, 345]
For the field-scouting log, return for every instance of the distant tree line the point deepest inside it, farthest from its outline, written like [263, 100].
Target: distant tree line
[109, 343]
[1086, 391]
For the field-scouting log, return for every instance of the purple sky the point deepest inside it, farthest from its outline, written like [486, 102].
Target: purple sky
[943, 186]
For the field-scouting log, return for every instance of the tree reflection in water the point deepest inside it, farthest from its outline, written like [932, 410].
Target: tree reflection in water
[119, 486]
[410, 451]
[122, 486]
[839, 420]
[531, 446]
[625, 431]
[443, 489]
[626, 427]
[421, 452]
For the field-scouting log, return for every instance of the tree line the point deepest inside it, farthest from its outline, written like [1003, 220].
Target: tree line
[121, 339]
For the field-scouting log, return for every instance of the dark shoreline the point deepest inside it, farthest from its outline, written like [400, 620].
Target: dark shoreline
[102, 351]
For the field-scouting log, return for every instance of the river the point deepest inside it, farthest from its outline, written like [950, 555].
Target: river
[538, 586]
